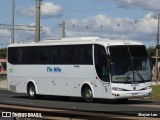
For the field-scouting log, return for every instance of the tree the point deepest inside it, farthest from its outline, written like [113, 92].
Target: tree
[151, 51]
[3, 53]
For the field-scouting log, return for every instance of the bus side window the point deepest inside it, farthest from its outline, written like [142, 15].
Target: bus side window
[57, 55]
[43, 55]
[28, 55]
[72, 54]
[20, 55]
[13, 55]
[101, 66]
[86, 54]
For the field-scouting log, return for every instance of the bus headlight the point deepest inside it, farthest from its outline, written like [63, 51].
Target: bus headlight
[118, 89]
[147, 88]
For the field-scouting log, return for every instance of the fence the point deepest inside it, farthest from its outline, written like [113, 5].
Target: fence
[3, 70]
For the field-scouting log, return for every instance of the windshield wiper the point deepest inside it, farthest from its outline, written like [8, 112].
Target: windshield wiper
[139, 75]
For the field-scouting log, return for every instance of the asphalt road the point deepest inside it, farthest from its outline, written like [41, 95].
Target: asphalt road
[102, 106]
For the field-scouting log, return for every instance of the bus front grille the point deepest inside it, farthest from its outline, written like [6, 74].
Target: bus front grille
[12, 88]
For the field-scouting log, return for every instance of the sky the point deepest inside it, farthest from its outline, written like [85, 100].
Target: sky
[113, 19]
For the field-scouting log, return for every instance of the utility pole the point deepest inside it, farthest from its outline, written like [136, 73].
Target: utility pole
[157, 48]
[37, 35]
[13, 9]
[63, 29]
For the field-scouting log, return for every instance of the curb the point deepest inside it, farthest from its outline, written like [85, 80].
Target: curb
[155, 82]
[3, 84]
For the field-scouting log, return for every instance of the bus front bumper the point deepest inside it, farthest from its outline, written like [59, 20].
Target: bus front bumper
[128, 94]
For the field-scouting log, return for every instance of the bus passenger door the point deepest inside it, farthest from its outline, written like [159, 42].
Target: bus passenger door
[106, 90]
[102, 69]
[106, 86]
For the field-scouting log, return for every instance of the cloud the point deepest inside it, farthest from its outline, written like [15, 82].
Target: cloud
[101, 25]
[48, 10]
[5, 33]
[5, 37]
[143, 30]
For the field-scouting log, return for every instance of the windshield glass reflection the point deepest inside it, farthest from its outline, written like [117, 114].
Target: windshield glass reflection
[129, 64]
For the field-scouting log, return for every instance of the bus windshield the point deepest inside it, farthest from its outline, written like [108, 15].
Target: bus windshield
[129, 64]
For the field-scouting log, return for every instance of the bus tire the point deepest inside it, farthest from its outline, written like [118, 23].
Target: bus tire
[87, 94]
[31, 91]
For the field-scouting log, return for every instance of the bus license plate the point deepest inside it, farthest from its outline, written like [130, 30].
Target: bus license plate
[134, 93]
[134, 84]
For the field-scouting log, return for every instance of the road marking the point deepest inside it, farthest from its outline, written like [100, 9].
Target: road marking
[18, 102]
[74, 107]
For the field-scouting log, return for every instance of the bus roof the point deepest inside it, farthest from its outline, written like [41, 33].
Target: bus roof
[78, 40]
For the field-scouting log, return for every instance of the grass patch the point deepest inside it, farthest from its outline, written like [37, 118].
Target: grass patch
[155, 92]
[2, 78]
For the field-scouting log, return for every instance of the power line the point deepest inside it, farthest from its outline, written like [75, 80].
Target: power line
[85, 26]
[4, 17]
[133, 3]
[19, 27]
[25, 13]
[104, 9]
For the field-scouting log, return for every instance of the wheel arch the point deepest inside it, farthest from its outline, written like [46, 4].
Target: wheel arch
[87, 85]
[34, 83]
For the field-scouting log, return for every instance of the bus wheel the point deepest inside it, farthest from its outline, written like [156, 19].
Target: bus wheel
[87, 94]
[31, 91]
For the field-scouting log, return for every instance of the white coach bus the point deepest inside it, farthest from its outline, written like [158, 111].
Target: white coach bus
[87, 67]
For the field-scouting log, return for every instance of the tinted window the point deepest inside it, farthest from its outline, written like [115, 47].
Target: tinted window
[101, 66]
[27, 55]
[126, 51]
[66, 54]
[72, 54]
[138, 51]
[12, 55]
[57, 55]
[119, 51]
[20, 54]
[43, 55]
[86, 54]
